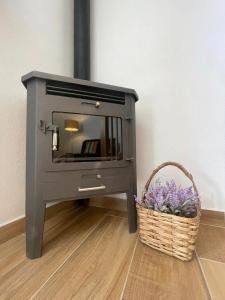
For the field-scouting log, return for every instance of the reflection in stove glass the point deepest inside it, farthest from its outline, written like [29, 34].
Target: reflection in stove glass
[87, 138]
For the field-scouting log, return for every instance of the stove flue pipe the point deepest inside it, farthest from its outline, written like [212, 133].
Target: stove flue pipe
[82, 39]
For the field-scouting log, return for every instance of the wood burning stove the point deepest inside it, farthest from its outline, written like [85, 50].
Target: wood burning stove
[80, 144]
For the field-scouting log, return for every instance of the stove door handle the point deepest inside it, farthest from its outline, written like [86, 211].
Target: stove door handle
[55, 140]
[94, 188]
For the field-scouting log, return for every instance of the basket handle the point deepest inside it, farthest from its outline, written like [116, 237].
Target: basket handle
[171, 163]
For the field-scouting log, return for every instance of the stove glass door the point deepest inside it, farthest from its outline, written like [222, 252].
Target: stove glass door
[83, 137]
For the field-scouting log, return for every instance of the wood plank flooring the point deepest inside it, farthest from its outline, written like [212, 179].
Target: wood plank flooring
[101, 262]
[20, 277]
[215, 275]
[154, 275]
[211, 243]
[89, 254]
[211, 252]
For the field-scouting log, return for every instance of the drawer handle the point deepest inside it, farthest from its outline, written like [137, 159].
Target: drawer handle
[94, 188]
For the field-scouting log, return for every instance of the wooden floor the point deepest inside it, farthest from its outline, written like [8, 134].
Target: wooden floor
[88, 254]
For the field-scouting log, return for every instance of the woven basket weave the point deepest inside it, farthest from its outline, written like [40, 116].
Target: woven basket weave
[168, 233]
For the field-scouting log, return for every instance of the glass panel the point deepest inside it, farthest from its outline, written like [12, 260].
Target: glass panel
[82, 137]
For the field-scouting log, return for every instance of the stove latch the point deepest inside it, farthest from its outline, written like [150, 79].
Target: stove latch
[55, 133]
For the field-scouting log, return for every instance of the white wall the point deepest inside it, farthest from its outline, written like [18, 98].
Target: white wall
[34, 35]
[172, 53]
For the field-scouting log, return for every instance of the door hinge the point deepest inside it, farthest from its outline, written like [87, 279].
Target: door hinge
[129, 159]
[128, 118]
[47, 127]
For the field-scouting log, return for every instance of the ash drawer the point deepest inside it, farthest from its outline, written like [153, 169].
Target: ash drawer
[104, 181]
[87, 183]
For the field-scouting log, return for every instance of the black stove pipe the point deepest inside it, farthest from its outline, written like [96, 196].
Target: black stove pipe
[82, 39]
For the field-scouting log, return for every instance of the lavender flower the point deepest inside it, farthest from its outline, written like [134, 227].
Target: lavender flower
[171, 199]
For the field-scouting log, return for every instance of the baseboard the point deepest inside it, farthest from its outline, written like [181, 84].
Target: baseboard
[121, 205]
[17, 227]
[212, 214]
[109, 203]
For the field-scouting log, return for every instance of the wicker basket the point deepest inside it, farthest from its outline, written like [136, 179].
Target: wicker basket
[168, 233]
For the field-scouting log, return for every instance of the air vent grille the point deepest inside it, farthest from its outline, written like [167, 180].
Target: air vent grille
[84, 92]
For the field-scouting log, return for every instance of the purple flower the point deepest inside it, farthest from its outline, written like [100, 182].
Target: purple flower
[170, 198]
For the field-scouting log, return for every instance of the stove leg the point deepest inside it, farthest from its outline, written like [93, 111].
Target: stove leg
[132, 214]
[35, 218]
